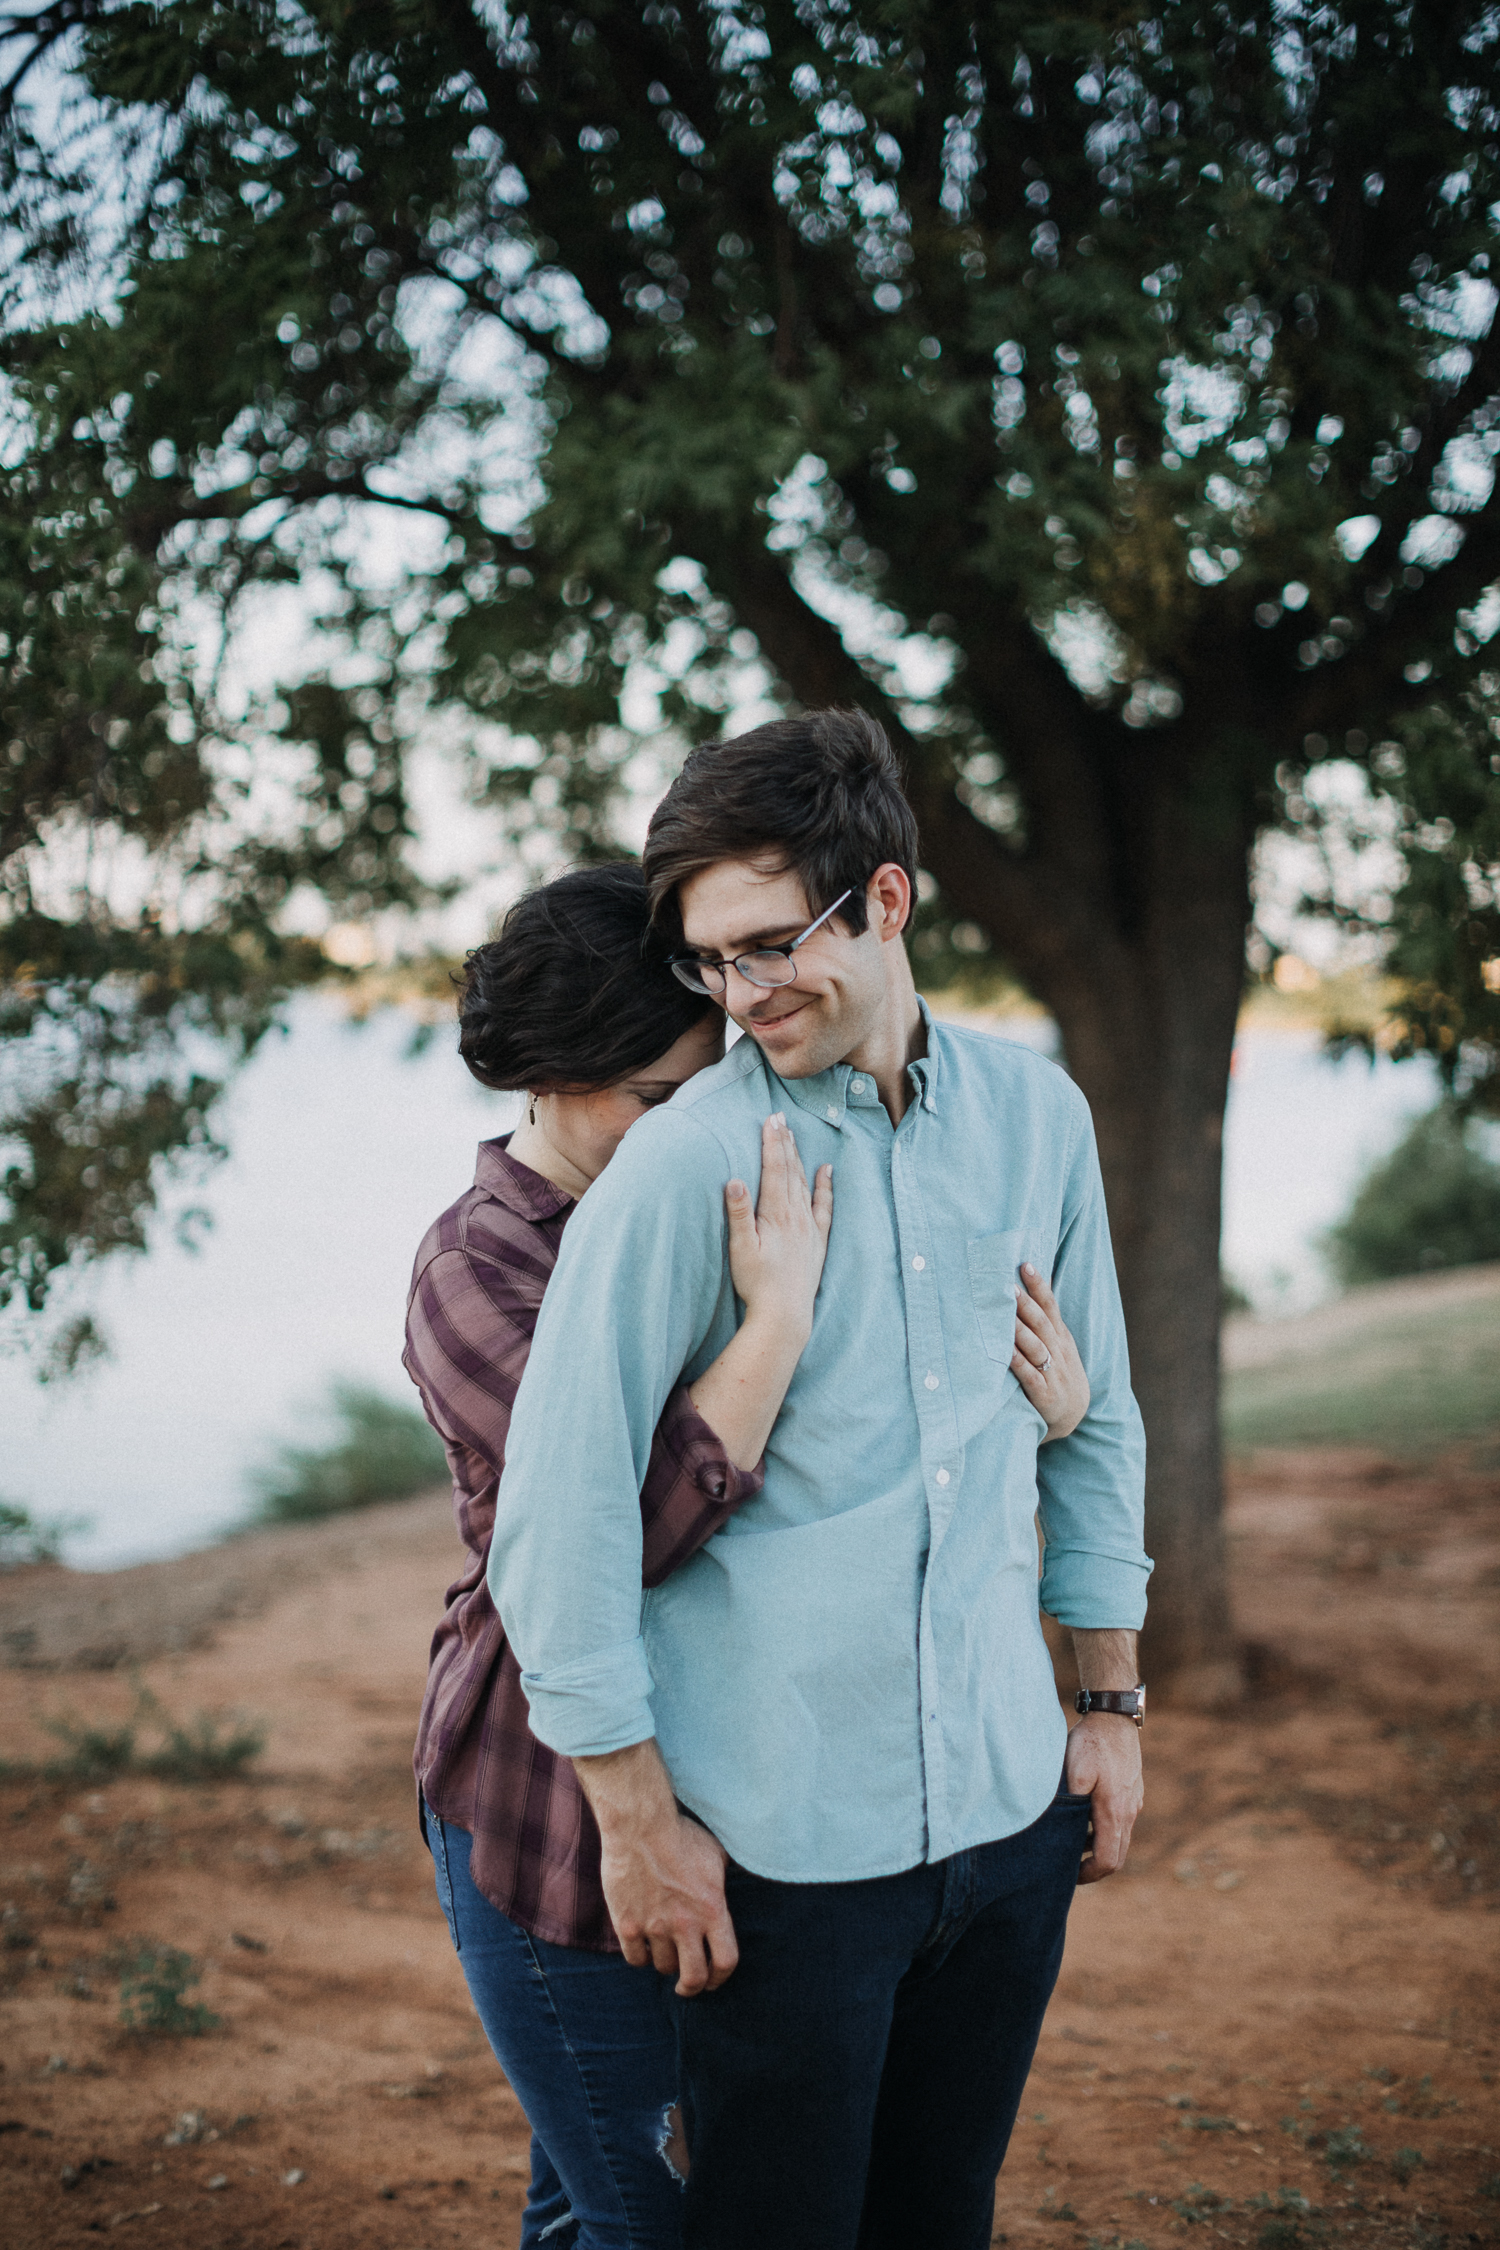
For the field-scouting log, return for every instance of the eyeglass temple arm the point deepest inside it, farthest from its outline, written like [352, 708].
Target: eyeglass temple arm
[822, 918]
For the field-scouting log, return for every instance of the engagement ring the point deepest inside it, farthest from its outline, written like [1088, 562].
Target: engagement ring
[1046, 1363]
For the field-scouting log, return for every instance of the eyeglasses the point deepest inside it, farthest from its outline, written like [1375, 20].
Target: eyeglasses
[770, 965]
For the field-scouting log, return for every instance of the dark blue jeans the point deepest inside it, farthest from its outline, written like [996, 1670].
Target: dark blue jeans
[587, 2046]
[854, 2084]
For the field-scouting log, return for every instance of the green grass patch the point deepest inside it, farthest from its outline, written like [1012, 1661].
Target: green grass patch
[1405, 1370]
[381, 1450]
[153, 1980]
[206, 1747]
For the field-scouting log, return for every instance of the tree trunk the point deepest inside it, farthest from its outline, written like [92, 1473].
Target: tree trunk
[1152, 1052]
[1145, 980]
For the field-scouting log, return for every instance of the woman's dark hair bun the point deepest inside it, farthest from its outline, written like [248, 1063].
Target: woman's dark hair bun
[574, 991]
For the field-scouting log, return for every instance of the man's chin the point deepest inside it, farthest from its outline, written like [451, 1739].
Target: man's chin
[790, 1044]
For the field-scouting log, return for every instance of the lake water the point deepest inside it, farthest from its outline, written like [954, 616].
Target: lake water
[345, 1149]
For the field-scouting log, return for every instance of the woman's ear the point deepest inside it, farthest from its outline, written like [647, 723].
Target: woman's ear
[888, 901]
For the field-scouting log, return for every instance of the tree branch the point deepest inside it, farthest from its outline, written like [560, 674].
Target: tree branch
[1027, 903]
[44, 29]
[1444, 423]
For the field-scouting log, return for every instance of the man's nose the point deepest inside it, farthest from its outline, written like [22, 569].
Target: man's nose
[740, 995]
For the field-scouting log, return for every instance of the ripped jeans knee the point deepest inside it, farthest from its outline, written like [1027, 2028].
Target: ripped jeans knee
[671, 2143]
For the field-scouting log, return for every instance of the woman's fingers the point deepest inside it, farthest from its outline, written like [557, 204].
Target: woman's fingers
[1046, 1361]
[822, 1200]
[1028, 1310]
[1038, 1348]
[795, 1172]
[741, 1214]
[771, 1202]
[1038, 1343]
[784, 1192]
[1041, 1289]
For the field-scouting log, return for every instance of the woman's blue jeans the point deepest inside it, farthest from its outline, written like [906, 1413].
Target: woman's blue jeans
[588, 2048]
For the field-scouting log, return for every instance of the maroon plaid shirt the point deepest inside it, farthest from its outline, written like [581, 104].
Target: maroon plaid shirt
[475, 1294]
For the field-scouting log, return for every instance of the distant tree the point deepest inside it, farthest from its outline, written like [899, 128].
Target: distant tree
[1108, 400]
[384, 1450]
[1433, 1202]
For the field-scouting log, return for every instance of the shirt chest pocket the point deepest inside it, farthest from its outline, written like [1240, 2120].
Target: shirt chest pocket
[994, 1278]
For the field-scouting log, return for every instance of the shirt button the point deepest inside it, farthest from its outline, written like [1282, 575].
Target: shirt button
[931, 1381]
[833, 1109]
[856, 1086]
[919, 1265]
[942, 1477]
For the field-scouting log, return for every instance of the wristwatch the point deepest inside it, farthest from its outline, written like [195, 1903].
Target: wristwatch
[1130, 1703]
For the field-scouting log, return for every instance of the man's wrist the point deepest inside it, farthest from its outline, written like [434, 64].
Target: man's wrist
[629, 1791]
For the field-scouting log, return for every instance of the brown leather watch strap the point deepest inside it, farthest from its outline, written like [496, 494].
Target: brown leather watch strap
[1128, 1703]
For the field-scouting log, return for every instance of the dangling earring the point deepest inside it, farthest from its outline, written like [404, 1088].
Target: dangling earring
[531, 1107]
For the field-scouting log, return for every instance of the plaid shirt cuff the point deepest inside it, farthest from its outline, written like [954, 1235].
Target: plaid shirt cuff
[692, 1489]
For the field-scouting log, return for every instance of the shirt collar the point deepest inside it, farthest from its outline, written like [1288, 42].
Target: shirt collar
[925, 1071]
[830, 1093]
[515, 1185]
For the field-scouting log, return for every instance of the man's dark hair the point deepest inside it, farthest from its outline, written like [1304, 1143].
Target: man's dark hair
[575, 991]
[822, 793]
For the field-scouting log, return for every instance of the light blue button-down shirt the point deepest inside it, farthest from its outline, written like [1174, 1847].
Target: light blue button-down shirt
[851, 1677]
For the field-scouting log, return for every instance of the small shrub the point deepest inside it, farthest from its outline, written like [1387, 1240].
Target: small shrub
[152, 1983]
[198, 1751]
[1405, 2162]
[193, 1750]
[1433, 1202]
[386, 1451]
[1199, 2203]
[1346, 2146]
[24, 1539]
[1292, 2221]
[93, 1753]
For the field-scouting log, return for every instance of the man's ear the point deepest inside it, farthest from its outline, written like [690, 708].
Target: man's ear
[888, 901]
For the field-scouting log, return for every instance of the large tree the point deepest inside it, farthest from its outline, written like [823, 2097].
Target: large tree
[1106, 399]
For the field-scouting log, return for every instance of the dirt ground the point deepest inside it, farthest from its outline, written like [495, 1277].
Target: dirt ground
[1277, 2027]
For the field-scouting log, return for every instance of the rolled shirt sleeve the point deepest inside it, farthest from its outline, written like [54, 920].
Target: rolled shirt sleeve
[1091, 1484]
[640, 1284]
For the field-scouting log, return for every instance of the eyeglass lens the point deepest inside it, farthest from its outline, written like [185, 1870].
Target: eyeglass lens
[755, 968]
[775, 967]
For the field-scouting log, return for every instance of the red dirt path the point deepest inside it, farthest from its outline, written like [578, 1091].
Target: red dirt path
[1293, 1983]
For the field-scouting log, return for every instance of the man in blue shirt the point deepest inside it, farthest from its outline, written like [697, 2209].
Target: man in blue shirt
[827, 1757]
